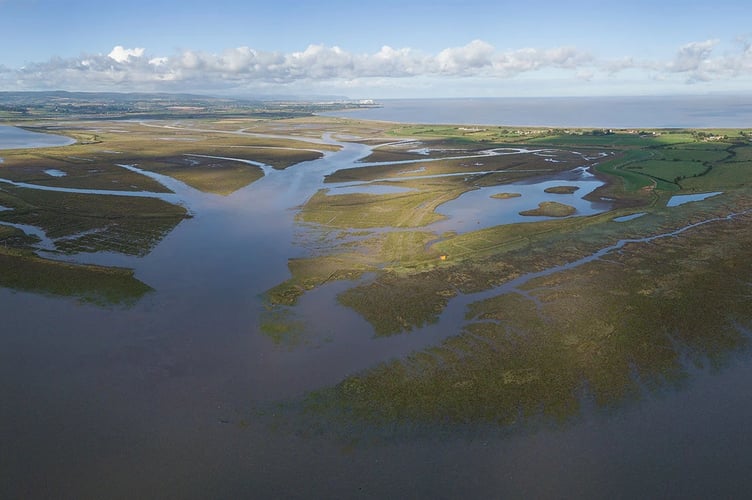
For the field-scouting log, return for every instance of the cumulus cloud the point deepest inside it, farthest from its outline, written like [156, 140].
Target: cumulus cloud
[697, 61]
[694, 60]
[245, 67]
[470, 58]
[121, 54]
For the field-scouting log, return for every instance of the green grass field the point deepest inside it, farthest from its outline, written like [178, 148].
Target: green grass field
[669, 171]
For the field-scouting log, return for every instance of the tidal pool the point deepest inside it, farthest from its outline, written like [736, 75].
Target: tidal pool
[681, 199]
[53, 172]
[175, 396]
[479, 208]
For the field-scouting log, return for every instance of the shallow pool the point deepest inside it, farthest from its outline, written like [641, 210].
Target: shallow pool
[681, 199]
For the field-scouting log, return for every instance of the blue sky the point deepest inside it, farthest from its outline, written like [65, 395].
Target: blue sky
[365, 49]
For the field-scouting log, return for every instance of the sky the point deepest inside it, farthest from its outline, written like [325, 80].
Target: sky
[370, 50]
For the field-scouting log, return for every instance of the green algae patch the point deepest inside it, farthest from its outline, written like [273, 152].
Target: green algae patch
[505, 196]
[561, 189]
[102, 286]
[551, 209]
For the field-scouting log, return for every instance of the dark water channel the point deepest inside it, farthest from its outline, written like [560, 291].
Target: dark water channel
[160, 400]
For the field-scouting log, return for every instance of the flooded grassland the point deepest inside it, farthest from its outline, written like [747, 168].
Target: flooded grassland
[267, 289]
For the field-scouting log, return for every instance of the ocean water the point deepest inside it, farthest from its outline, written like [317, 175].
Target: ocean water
[714, 111]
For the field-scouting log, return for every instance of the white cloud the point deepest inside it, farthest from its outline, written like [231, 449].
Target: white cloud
[697, 61]
[243, 68]
[693, 59]
[121, 54]
[474, 56]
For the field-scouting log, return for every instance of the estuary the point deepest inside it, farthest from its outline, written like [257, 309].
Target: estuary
[358, 315]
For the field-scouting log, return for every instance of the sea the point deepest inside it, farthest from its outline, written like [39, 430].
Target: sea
[707, 111]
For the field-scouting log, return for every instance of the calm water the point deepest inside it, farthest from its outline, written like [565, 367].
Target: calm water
[478, 210]
[160, 400]
[603, 112]
[681, 199]
[17, 138]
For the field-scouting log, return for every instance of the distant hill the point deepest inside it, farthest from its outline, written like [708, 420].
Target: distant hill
[60, 103]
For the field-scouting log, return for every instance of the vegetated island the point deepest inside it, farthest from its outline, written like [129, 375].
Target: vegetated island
[505, 196]
[550, 209]
[561, 189]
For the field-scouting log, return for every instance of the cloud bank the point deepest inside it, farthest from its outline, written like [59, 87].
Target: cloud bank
[244, 68]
